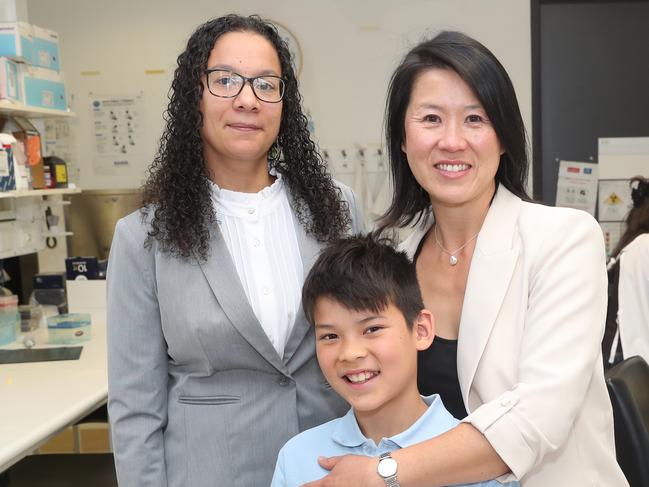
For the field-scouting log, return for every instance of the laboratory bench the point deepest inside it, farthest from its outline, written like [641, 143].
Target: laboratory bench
[40, 399]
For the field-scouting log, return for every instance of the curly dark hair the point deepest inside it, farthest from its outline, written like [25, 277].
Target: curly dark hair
[176, 193]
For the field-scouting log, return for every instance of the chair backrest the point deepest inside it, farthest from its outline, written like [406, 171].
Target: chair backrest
[628, 386]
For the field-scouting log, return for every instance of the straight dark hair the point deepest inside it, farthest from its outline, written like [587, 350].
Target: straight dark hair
[364, 272]
[637, 222]
[484, 74]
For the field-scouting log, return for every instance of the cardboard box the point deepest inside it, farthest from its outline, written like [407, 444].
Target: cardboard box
[9, 80]
[58, 170]
[7, 169]
[23, 176]
[14, 173]
[43, 88]
[30, 139]
[45, 48]
[81, 268]
[16, 41]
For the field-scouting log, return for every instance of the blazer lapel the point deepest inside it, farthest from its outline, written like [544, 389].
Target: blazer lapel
[221, 274]
[309, 249]
[491, 271]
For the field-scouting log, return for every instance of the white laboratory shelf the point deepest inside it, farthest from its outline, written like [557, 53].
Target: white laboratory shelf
[25, 193]
[11, 108]
[6, 254]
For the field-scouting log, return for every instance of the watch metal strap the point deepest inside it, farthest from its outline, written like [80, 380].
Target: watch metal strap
[392, 481]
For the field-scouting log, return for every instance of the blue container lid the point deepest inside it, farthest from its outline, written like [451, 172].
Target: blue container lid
[69, 320]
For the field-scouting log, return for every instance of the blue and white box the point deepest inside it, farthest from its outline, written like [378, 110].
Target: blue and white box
[16, 41]
[7, 163]
[45, 48]
[43, 88]
[10, 80]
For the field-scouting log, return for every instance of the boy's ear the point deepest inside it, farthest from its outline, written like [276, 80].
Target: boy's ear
[425, 329]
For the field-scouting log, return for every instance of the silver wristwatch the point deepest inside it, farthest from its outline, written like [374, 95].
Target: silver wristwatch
[387, 469]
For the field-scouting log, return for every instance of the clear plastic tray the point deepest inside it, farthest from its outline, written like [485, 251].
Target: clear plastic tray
[69, 328]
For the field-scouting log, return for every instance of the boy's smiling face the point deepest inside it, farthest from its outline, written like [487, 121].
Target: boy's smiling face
[370, 358]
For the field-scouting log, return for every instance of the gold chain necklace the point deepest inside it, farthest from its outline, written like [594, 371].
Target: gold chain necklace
[453, 255]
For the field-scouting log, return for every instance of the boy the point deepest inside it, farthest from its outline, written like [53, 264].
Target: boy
[363, 299]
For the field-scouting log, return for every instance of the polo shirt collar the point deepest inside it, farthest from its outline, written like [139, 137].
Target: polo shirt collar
[435, 421]
[347, 433]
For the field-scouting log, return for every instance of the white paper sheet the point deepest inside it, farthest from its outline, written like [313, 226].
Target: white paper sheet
[577, 185]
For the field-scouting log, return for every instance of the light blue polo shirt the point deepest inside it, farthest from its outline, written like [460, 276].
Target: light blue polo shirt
[297, 462]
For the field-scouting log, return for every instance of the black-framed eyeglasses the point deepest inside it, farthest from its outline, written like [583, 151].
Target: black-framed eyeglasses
[228, 84]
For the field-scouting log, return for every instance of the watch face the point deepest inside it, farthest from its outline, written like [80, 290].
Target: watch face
[387, 467]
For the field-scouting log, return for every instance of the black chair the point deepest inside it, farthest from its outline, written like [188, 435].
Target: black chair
[628, 386]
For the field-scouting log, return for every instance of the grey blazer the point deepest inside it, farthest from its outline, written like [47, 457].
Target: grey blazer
[197, 395]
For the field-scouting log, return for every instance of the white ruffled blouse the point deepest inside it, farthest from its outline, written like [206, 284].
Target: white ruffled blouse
[260, 232]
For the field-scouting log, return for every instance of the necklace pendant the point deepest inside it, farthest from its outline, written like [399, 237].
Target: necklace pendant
[452, 260]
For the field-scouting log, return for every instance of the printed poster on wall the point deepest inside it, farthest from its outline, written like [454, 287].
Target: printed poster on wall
[577, 185]
[614, 200]
[612, 234]
[118, 133]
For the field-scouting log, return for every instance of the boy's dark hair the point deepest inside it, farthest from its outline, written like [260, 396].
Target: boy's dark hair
[364, 272]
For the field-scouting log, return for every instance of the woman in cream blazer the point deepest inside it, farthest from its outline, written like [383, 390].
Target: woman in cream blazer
[628, 325]
[517, 289]
[528, 358]
[633, 296]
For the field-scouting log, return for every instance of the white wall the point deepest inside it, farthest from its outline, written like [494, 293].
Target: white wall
[13, 10]
[349, 47]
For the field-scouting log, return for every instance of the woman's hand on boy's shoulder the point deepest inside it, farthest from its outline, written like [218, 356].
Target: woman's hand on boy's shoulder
[348, 470]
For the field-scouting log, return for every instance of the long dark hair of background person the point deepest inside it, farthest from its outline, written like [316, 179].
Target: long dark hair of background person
[637, 222]
[176, 193]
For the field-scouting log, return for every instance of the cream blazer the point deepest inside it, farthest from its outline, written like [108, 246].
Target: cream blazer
[529, 346]
[633, 298]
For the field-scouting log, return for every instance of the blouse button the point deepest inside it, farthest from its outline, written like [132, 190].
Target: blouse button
[251, 211]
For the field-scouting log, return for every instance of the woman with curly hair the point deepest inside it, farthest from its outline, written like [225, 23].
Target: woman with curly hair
[627, 318]
[211, 361]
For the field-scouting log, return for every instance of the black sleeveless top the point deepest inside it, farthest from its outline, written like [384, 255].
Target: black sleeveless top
[437, 369]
